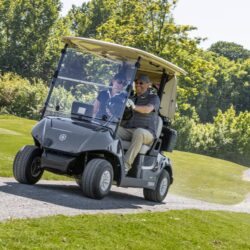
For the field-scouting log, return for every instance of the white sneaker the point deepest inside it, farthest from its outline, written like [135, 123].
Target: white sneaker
[127, 168]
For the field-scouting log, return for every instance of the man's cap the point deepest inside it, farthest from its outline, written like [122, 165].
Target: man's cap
[144, 78]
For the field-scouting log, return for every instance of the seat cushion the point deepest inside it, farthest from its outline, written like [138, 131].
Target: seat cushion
[144, 148]
[159, 127]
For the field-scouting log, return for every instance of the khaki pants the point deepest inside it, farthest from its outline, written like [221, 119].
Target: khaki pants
[137, 136]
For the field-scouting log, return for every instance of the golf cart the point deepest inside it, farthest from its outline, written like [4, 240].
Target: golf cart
[70, 140]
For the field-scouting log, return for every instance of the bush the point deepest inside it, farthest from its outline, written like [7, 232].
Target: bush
[184, 125]
[19, 97]
[200, 140]
[232, 135]
[228, 137]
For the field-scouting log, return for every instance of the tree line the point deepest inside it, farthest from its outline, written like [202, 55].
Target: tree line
[218, 79]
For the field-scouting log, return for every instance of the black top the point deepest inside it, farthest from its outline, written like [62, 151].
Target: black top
[148, 121]
[113, 104]
[103, 98]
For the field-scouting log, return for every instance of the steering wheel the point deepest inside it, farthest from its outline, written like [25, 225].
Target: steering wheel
[128, 113]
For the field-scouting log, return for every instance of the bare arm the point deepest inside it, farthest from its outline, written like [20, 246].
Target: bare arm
[146, 109]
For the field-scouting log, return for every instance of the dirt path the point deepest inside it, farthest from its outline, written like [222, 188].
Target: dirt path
[64, 197]
[246, 175]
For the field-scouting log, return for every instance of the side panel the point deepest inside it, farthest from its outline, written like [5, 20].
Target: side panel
[168, 101]
[147, 172]
[57, 163]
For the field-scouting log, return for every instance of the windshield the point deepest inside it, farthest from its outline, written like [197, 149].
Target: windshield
[90, 88]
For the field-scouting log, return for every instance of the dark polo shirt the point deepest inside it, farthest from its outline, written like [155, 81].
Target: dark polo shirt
[103, 98]
[146, 121]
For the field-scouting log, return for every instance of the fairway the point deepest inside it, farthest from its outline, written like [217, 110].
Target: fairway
[8, 132]
[195, 176]
[207, 178]
[15, 132]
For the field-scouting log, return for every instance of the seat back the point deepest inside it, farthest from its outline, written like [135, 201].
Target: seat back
[159, 127]
[145, 148]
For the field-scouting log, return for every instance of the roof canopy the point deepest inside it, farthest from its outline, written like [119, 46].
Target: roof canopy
[150, 63]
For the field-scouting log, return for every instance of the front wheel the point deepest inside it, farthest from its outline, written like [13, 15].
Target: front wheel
[27, 165]
[97, 178]
[159, 194]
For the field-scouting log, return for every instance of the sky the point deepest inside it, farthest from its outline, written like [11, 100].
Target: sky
[216, 20]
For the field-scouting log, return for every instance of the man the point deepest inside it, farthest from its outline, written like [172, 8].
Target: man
[141, 128]
[102, 102]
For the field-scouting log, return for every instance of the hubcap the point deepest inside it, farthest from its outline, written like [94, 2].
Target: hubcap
[36, 167]
[105, 180]
[163, 186]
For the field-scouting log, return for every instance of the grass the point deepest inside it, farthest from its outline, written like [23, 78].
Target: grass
[195, 176]
[207, 178]
[188, 229]
[15, 132]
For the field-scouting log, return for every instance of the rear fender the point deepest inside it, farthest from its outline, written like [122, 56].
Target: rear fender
[165, 163]
[168, 167]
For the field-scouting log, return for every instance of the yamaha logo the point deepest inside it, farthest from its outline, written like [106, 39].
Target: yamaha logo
[62, 137]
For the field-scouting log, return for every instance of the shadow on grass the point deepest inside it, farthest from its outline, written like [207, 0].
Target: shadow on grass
[71, 196]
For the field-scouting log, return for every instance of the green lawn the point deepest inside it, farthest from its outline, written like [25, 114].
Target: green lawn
[188, 229]
[195, 175]
[15, 132]
[208, 178]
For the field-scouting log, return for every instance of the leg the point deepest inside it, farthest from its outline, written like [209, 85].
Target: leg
[125, 134]
[140, 136]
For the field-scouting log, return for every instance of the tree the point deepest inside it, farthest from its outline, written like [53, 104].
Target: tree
[146, 25]
[86, 18]
[228, 137]
[232, 51]
[231, 86]
[19, 97]
[26, 28]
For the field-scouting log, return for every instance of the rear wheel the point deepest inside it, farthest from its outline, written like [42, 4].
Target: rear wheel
[27, 165]
[159, 194]
[97, 178]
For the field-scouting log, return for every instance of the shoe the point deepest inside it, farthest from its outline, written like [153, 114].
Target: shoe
[127, 168]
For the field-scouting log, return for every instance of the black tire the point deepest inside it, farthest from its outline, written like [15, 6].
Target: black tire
[26, 166]
[159, 194]
[97, 178]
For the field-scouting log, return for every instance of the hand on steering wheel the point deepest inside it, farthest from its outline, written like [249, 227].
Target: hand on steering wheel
[130, 104]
